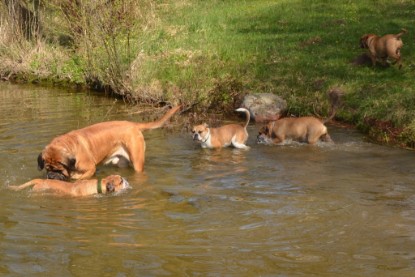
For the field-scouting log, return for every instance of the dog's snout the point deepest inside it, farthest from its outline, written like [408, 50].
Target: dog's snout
[195, 136]
[260, 138]
[110, 187]
[56, 176]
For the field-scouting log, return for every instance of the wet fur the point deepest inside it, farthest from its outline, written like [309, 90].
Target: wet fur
[301, 129]
[76, 154]
[109, 184]
[307, 129]
[231, 134]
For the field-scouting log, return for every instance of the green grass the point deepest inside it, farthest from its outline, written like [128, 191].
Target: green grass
[214, 52]
[296, 49]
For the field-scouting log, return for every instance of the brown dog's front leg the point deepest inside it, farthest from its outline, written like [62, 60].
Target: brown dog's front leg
[85, 175]
[373, 58]
[83, 170]
[277, 140]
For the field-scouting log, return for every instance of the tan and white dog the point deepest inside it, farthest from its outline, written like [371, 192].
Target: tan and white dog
[109, 184]
[302, 129]
[383, 48]
[231, 134]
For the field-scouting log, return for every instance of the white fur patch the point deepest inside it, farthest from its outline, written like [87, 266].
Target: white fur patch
[119, 157]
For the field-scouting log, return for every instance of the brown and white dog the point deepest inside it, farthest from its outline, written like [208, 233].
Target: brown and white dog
[383, 48]
[302, 129]
[77, 153]
[109, 184]
[231, 134]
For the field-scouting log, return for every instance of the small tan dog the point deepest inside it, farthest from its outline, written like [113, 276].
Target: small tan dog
[109, 184]
[303, 129]
[231, 134]
[383, 48]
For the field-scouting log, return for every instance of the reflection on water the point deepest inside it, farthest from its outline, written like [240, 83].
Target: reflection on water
[346, 209]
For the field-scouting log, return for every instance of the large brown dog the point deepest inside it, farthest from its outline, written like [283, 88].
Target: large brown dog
[231, 134]
[109, 184]
[76, 154]
[302, 129]
[383, 48]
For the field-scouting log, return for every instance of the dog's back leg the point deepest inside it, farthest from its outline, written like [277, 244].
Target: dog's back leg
[326, 138]
[25, 185]
[136, 149]
[240, 145]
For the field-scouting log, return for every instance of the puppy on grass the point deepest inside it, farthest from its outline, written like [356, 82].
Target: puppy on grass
[109, 184]
[231, 134]
[383, 48]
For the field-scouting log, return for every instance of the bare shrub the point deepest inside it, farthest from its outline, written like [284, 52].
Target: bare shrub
[106, 34]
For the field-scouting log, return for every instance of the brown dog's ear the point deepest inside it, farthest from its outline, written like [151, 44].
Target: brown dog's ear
[205, 125]
[270, 130]
[363, 41]
[40, 162]
[71, 164]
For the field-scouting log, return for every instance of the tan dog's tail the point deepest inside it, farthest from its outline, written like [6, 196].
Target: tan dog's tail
[25, 185]
[403, 31]
[160, 122]
[334, 95]
[247, 113]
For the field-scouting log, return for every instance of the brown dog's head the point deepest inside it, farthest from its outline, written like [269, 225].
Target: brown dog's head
[114, 183]
[58, 164]
[200, 133]
[265, 134]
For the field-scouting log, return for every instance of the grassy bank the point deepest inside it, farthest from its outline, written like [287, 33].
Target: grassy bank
[208, 54]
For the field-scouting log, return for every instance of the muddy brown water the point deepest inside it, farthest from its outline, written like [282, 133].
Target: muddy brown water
[346, 209]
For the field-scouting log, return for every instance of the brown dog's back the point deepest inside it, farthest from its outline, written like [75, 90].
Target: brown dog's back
[304, 128]
[384, 47]
[223, 135]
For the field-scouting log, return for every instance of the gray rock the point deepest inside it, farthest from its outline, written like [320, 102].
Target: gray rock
[264, 106]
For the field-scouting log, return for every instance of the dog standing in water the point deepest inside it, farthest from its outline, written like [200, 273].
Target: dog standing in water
[231, 134]
[76, 154]
[307, 129]
[302, 129]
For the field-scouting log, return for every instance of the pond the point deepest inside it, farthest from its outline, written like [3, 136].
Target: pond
[292, 210]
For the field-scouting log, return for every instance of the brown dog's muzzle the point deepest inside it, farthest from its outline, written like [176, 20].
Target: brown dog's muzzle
[196, 136]
[56, 175]
[261, 138]
[262, 135]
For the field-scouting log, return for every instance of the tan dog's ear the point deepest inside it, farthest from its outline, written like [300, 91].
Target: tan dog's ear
[205, 125]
